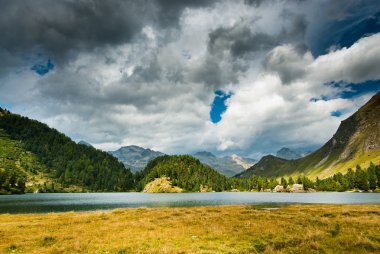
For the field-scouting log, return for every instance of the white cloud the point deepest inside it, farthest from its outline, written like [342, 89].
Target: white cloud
[265, 113]
[356, 64]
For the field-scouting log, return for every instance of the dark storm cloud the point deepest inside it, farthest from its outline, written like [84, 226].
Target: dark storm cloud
[211, 74]
[171, 10]
[296, 30]
[146, 73]
[239, 41]
[60, 28]
[258, 3]
[255, 3]
[287, 63]
[243, 44]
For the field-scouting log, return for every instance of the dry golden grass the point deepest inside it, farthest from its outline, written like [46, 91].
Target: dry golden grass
[220, 229]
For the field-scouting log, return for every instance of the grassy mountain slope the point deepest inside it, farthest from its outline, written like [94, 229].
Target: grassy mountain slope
[357, 141]
[70, 164]
[185, 172]
[13, 163]
[21, 171]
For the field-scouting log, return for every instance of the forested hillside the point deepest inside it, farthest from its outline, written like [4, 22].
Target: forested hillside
[185, 172]
[64, 160]
[13, 159]
[355, 179]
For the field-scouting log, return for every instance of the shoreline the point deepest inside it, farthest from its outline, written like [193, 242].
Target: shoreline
[258, 206]
[314, 191]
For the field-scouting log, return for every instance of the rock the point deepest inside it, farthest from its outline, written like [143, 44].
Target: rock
[204, 188]
[297, 188]
[279, 188]
[161, 185]
[269, 208]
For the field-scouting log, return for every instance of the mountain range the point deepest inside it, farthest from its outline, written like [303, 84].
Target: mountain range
[356, 142]
[288, 154]
[227, 165]
[135, 157]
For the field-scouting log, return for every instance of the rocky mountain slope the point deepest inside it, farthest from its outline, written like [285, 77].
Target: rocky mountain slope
[288, 154]
[135, 157]
[356, 142]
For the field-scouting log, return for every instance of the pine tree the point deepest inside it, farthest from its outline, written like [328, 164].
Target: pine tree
[372, 179]
[284, 182]
[361, 179]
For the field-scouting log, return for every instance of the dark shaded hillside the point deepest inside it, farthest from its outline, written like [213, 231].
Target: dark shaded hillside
[69, 163]
[356, 141]
[185, 172]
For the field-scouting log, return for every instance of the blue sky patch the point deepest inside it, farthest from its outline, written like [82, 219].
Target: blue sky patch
[336, 113]
[42, 69]
[322, 97]
[354, 90]
[346, 32]
[218, 106]
[5, 106]
[350, 90]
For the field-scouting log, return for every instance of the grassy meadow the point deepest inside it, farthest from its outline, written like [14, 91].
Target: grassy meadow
[219, 229]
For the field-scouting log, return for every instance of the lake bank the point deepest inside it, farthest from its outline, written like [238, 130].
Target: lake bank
[207, 229]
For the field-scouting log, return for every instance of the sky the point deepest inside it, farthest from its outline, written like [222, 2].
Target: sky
[229, 77]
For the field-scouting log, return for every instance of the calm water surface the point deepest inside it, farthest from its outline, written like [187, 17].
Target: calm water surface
[61, 202]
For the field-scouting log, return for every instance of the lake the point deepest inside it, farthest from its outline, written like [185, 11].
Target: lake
[62, 202]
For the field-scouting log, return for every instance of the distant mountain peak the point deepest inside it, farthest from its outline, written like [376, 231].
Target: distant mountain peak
[244, 162]
[288, 154]
[205, 154]
[131, 146]
[227, 165]
[135, 157]
[82, 142]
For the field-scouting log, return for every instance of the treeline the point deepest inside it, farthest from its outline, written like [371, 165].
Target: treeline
[12, 181]
[68, 164]
[13, 159]
[185, 172]
[66, 161]
[359, 179]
